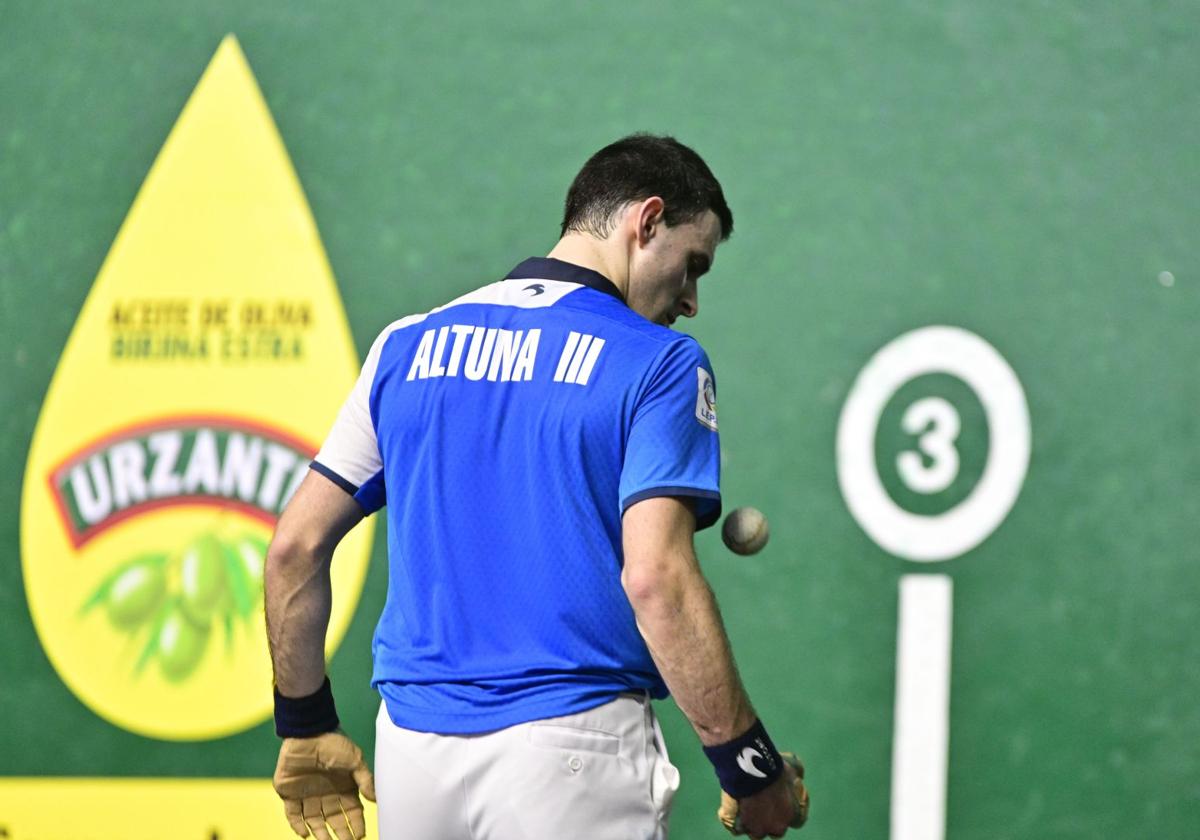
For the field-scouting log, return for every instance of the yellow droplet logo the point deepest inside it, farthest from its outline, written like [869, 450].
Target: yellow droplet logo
[207, 364]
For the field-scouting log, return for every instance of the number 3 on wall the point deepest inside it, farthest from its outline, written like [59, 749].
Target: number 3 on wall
[938, 424]
[947, 535]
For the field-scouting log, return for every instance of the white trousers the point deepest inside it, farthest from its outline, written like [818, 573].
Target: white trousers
[602, 774]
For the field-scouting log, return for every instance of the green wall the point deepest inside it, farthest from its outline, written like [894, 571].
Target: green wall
[1024, 170]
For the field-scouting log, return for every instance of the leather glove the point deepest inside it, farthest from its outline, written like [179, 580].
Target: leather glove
[728, 812]
[319, 780]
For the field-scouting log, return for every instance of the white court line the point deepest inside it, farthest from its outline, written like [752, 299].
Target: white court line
[920, 745]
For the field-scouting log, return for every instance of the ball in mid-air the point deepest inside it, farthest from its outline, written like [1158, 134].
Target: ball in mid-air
[745, 530]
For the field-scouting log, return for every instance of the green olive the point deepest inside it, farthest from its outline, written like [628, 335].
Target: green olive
[136, 593]
[181, 645]
[201, 579]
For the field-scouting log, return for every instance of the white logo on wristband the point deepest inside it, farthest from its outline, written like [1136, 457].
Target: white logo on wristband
[746, 762]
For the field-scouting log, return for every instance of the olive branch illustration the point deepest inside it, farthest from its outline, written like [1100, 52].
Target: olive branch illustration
[178, 598]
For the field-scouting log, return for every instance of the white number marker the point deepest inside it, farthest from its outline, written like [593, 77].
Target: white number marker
[937, 443]
[958, 530]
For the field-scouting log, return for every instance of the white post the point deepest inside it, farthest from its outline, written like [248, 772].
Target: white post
[921, 742]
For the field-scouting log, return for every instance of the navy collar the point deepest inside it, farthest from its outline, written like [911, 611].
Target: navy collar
[548, 268]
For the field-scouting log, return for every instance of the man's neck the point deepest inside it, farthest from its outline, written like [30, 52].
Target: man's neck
[596, 254]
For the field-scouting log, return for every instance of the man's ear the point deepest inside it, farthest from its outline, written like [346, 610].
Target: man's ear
[649, 215]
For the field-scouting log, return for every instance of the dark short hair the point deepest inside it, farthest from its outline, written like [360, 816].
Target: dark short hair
[635, 168]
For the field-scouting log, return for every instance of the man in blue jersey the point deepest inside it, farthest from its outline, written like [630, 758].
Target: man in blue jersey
[546, 447]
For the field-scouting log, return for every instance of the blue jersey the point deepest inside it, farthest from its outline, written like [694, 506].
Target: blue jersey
[507, 432]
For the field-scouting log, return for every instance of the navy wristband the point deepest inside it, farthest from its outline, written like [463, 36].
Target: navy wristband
[747, 764]
[304, 717]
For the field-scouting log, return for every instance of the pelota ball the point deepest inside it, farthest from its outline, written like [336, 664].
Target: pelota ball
[745, 530]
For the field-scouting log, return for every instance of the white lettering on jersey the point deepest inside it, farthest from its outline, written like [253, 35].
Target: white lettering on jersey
[504, 355]
[499, 355]
[567, 353]
[523, 368]
[589, 362]
[578, 357]
[420, 362]
[706, 399]
[436, 368]
[461, 331]
[480, 352]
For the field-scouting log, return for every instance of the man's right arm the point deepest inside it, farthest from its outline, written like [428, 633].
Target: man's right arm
[678, 617]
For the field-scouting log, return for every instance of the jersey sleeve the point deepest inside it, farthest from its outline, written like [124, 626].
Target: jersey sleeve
[673, 448]
[350, 456]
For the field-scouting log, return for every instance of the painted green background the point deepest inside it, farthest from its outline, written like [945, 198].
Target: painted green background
[1025, 170]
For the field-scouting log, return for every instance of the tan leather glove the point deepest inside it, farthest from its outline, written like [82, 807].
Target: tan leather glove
[319, 780]
[728, 812]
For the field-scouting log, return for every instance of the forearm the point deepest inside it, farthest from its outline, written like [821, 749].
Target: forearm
[678, 617]
[298, 599]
